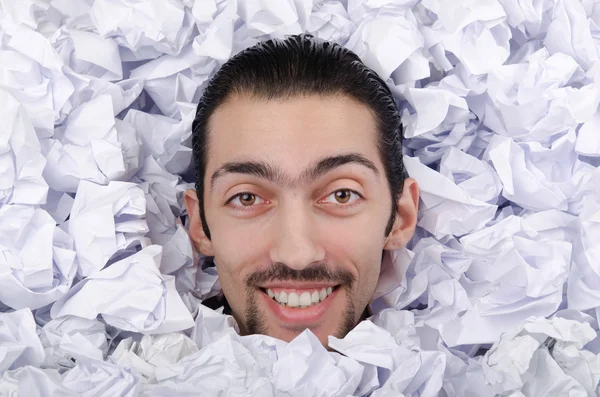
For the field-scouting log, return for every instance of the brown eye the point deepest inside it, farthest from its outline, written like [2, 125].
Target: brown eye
[342, 196]
[247, 199]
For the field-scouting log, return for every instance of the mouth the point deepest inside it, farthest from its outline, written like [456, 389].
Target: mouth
[299, 298]
[301, 307]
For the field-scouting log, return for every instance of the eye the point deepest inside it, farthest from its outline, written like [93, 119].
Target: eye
[343, 197]
[245, 199]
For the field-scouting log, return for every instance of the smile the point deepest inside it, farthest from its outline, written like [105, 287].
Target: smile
[302, 306]
[299, 299]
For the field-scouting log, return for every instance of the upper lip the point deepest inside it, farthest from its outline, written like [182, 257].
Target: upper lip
[297, 285]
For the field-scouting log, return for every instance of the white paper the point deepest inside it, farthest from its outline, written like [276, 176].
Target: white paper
[21, 160]
[19, 342]
[532, 99]
[541, 359]
[435, 110]
[162, 138]
[91, 55]
[153, 351]
[32, 72]
[569, 33]
[101, 155]
[330, 21]
[38, 262]
[102, 291]
[215, 369]
[397, 36]
[67, 338]
[130, 294]
[446, 208]
[534, 181]
[587, 140]
[399, 364]
[105, 219]
[100, 378]
[474, 32]
[166, 26]
[584, 281]
[529, 283]
[34, 382]
[211, 326]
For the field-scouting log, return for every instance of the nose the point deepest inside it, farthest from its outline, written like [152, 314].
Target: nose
[296, 241]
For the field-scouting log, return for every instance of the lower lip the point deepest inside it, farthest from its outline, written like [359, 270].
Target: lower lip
[296, 317]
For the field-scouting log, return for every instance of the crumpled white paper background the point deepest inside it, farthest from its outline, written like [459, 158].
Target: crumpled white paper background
[498, 293]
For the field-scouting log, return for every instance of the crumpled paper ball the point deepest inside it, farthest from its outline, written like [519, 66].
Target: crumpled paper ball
[498, 293]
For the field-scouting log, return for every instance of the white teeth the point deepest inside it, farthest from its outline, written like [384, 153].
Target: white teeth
[283, 297]
[302, 300]
[293, 300]
[314, 298]
[323, 294]
[305, 299]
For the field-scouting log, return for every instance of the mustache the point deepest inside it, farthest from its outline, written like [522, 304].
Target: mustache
[315, 273]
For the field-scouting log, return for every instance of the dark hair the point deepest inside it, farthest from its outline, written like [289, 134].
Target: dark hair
[296, 66]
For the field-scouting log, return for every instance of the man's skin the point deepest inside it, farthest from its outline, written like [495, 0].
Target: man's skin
[302, 230]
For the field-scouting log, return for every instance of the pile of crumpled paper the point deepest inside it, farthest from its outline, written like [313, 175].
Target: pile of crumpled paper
[497, 294]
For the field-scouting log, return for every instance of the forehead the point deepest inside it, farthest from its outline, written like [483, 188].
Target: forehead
[290, 132]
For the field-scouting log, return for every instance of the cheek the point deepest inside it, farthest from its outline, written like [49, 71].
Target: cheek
[238, 251]
[364, 229]
[357, 244]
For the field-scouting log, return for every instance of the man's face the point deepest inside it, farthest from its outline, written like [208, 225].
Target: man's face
[297, 201]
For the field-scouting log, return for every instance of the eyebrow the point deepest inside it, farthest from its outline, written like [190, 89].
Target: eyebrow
[275, 175]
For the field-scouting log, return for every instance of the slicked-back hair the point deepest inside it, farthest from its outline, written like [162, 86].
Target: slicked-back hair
[297, 66]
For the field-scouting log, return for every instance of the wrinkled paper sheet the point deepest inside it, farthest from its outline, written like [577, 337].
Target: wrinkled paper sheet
[497, 294]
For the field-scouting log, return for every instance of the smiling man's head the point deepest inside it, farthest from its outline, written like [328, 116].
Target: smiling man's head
[300, 185]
